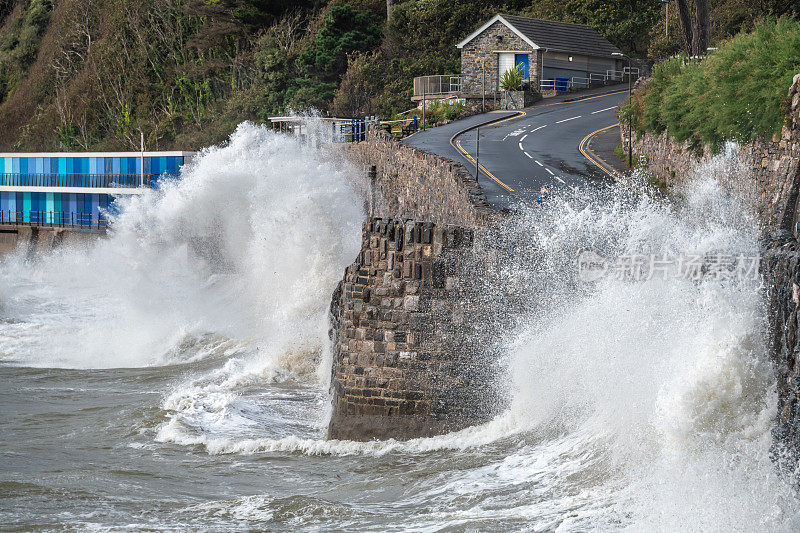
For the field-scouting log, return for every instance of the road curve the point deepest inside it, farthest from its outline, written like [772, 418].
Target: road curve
[519, 156]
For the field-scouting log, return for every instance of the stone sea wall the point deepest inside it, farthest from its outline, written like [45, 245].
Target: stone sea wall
[412, 183]
[410, 358]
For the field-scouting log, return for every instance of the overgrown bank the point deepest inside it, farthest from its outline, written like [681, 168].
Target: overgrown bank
[736, 93]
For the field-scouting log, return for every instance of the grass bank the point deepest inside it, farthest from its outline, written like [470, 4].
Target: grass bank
[736, 93]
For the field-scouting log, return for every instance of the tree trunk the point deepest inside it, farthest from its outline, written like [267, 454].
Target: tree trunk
[686, 24]
[700, 37]
[389, 8]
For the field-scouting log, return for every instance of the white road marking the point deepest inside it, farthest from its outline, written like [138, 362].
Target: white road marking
[601, 110]
[537, 129]
[529, 155]
[520, 146]
[523, 137]
[515, 133]
[567, 119]
[552, 174]
[539, 163]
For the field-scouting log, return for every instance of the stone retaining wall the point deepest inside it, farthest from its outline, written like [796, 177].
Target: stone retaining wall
[412, 183]
[767, 179]
[768, 170]
[780, 267]
[410, 357]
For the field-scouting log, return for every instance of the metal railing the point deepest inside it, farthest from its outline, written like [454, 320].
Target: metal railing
[101, 181]
[433, 85]
[54, 219]
[594, 77]
[353, 130]
[577, 82]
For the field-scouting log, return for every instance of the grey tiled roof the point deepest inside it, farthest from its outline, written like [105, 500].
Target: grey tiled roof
[563, 36]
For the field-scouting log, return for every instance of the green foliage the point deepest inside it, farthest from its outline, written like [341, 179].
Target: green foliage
[346, 30]
[737, 93]
[438, 111]
[511, 80]
[18, 47]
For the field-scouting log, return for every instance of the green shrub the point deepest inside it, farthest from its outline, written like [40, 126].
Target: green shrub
[735, 94]
[511, 80]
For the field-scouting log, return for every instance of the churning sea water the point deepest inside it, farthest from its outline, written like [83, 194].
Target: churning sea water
[174, 375]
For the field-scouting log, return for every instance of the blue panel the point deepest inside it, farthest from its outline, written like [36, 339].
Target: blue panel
[50, 206]
[26, 207]
[162, 165]
[103, 207]
[172, 165]
[36, 206]
[95, 208]
[23, 165]
[46, 169]
[15, 165]
[115, 165]
[522, 60]
[12, 204]
[72, 207]
[57, 208]
[148, 166]
[40, 165]
[86, 208]
[123, 165]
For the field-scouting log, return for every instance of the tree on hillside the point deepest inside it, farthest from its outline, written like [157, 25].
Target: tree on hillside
[695, 26]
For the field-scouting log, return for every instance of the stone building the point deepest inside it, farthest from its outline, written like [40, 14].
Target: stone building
[545, 50]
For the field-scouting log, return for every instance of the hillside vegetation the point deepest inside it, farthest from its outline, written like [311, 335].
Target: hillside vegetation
[735, 94]
[92, 74]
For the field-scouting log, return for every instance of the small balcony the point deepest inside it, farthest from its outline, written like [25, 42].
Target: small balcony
[436, 86]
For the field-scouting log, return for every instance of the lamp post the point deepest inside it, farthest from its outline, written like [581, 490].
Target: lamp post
[477, 152]
[630, 101]
[483, 98]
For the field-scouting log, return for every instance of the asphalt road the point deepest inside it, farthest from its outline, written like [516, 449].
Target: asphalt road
[521, 155]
